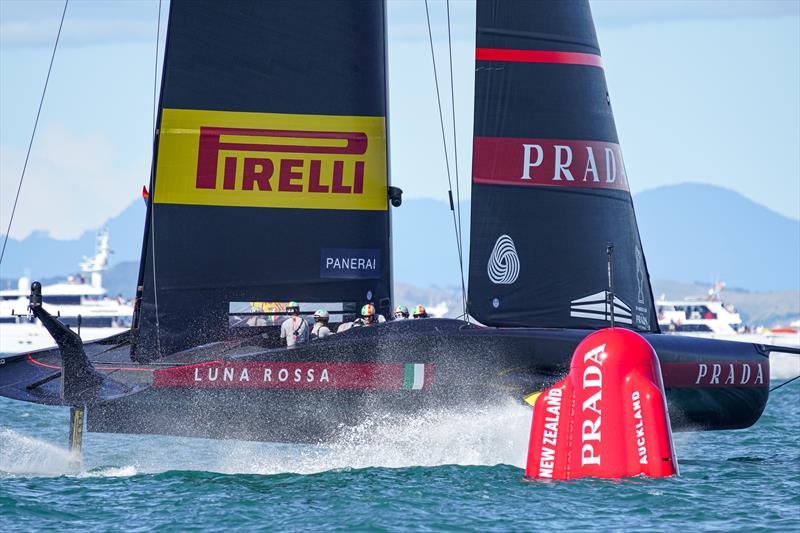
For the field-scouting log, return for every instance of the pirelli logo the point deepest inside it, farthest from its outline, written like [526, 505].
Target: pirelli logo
[271, 160]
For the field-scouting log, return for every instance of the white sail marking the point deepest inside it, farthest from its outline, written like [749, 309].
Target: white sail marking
[603, 317]
[503, 267]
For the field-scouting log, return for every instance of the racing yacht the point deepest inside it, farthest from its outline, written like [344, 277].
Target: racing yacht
[270, 183]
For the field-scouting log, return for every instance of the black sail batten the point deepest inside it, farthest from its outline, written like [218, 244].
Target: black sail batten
[271, 166]
[549, 187]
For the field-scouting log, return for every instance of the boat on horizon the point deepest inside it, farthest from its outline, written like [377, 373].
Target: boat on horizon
[709, 317]
[82, 304]
[270, 183]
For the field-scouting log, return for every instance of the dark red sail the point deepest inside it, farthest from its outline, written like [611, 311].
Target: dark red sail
[549, 187]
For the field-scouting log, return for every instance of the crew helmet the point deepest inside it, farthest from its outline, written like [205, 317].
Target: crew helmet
[401, 310]
[293, 306]
[321, 315]
[420, 312]
[368, 310]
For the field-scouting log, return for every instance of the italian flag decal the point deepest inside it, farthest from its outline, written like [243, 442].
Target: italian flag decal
[414, 376]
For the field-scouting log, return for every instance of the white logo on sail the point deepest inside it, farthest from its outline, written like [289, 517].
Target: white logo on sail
[595, 307]
[503, 265]
[640, 275]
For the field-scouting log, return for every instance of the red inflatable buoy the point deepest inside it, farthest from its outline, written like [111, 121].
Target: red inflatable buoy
[608, 418]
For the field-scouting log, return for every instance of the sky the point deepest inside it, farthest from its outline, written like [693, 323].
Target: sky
[702, 91]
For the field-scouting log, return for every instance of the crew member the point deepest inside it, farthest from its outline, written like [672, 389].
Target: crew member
[420, 312]
[368, 316]
[294, 329]
[401, 312]
[320, 329]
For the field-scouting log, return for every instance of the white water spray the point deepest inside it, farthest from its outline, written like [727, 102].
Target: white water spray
[488, 436]
[24, 455]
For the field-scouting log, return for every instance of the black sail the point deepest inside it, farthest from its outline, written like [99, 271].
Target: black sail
[549, 186]
[270, 176]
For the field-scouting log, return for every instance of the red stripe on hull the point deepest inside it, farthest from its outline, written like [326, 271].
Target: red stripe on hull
[729, 374]
[284, 375]
[538, 56]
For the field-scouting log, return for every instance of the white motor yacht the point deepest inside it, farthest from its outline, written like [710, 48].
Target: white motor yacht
[710, 317]
[81, 305]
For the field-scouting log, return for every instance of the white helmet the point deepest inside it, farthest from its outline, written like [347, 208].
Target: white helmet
[321, 314]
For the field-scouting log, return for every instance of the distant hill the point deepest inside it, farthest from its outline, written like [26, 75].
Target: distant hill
[41, 256]
[121, 279]
[690, 232]
[700, 232]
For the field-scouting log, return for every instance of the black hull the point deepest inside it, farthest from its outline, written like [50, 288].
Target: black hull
[710, 384]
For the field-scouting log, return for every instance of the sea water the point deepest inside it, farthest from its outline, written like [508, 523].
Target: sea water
[445, 470]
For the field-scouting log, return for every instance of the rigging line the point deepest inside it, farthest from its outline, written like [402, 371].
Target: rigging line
[33, 133]
[152, 185]
[155, 67]
[456, 228]
[776, 387]
[455, 160]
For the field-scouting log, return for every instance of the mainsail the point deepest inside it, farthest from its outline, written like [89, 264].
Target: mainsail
[549, 188]
[270, 167]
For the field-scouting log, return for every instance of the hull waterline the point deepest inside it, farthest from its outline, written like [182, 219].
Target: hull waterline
[285, 397]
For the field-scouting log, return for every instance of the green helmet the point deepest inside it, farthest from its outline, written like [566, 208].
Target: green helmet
[293, 306]
[401, 310]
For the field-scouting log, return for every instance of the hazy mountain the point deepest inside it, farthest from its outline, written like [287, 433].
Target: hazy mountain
[695, 232]
[691, 232]
[41, 256]
[121, 279]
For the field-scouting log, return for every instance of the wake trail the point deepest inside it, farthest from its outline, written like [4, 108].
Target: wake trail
[484, 437]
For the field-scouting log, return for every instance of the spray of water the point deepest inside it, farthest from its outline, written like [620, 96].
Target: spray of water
[486, 436]
[23, 455]
[784, 365]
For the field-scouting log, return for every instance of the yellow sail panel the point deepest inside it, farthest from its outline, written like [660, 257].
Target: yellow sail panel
[273, 160]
